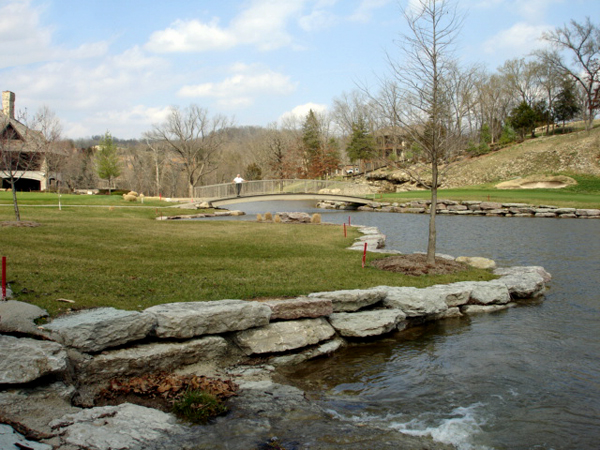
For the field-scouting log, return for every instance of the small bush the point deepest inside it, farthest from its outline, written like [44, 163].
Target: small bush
[198, 407]
[268, 216]
[259, 218]
[277, 218]
[316, 218]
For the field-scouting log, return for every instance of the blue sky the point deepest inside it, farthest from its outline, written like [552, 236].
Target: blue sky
[118, 65]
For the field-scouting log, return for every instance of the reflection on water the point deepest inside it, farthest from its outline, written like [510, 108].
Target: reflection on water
[524, 378]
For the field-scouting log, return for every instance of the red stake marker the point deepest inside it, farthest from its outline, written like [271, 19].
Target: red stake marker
[349, 221]
[345, 235]
[3, 277]
[364, 255]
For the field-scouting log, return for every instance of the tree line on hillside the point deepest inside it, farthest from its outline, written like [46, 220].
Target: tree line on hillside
[397, 122]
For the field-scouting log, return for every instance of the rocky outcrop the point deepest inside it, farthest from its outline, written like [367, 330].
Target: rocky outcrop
[471, 208]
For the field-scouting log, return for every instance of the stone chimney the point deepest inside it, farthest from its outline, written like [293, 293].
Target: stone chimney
[8, 104]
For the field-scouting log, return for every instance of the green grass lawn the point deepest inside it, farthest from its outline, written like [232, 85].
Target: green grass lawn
[123, 257]
[586, 194]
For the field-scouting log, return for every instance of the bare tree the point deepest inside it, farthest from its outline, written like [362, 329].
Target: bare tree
[194, 139]
[20, 152]
[493, 103]
[421, 95]
[50, 128]
[582, 41]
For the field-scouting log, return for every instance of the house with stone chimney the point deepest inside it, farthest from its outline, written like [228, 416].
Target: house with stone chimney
[24, 152]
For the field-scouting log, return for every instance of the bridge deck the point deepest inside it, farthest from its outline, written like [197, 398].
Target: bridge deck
[287, 196]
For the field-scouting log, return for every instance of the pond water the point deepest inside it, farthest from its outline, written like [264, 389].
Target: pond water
[523, 378]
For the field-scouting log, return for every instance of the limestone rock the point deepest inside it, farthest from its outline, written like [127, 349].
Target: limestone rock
[156, 357]
[478, 309]
[325, 348]
[19, 317]
[9, 439]
[94, 330]
[477, 262]
[455, 294]
[415, 302]
[283, 336]
[351, 300]
[125, 426]
[24, 360]
[299, 308]
[524, 282]
[366, 323]
[490, 205]
[186, 320]
[294, 217]
[489, 292]
[516, 270]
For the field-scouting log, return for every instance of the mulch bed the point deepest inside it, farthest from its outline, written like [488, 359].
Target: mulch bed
[21, 223]
[160, 390]
[416, 265]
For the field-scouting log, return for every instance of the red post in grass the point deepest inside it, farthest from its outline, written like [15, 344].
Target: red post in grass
[349, 221]
[4, 278]
[345, 235]
[364, 256]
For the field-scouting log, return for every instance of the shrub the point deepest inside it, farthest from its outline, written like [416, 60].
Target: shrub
[316, 218]
[198, 407]
[277, 218]
[268, 216]
[259, 218]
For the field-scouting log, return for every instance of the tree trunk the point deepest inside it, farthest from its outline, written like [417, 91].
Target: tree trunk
[15, 203]
[432, 213]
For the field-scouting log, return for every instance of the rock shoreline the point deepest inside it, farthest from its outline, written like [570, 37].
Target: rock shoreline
[49, 375]
[471, 208]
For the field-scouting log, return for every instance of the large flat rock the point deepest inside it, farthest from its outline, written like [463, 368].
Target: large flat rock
[25, 360]
[366, 323]
[283, 336]
[186, 320]
[94, 330]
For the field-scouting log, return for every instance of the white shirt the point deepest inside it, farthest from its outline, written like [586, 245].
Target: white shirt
[238, 180]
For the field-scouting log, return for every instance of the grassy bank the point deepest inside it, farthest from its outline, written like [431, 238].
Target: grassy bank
[586, 194]
[123, 257]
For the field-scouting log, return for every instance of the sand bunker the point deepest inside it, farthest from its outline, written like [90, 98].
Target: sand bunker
[538, 182]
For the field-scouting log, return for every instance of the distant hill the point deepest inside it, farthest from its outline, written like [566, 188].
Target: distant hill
[577, 152]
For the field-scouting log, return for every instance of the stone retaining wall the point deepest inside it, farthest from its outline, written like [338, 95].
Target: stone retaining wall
[75, 355]
[473, 208]
[99, 344]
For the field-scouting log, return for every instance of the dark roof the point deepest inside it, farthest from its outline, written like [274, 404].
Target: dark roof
[33, 140]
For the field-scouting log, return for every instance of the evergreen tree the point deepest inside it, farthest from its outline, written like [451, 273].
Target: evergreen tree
[107, 160]
[523, 119]
[566, 106]
[362, 144]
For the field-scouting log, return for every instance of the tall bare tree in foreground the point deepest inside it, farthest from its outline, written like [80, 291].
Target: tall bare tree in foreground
[194, 139]
[418, 96]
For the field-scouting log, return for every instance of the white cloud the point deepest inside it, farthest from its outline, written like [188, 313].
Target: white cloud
[262, 24]
[300, 112]
[242, 88]
[519, 40]
[191, 36]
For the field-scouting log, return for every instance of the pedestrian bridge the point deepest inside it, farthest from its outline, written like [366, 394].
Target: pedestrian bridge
[269, 190]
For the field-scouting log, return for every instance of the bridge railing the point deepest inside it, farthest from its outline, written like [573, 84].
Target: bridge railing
[265, 187]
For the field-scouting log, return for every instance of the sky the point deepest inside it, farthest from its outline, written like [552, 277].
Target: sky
[121, 65]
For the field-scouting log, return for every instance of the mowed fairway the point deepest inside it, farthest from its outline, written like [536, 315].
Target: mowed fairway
[123, 257]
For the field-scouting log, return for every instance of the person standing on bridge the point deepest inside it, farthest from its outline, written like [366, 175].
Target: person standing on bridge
[238, 184]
